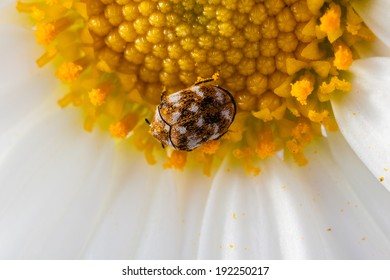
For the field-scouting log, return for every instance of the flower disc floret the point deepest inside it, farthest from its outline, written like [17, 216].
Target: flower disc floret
[282, 60]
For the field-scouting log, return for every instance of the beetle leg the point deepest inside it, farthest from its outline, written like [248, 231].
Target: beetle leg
[164, 93]
[147, 121]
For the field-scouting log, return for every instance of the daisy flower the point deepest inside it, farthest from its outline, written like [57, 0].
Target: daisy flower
[301, 174]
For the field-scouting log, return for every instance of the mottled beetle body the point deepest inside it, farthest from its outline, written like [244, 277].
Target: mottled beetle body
[191, 117]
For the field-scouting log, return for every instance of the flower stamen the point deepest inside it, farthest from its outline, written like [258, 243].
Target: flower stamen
[281, 60]
[69, 72]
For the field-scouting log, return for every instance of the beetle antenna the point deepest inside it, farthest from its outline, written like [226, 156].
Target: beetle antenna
[147, 121]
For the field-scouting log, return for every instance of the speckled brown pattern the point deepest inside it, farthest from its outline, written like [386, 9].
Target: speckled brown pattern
[188, 118]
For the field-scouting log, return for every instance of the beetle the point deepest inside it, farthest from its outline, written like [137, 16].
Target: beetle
[193, 116]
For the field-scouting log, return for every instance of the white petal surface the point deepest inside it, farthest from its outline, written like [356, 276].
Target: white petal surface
[52, 184]
[315, 212]
[148, 215]
[371, 49]
[7, 3]
[68, 194]
[24, 89]
[344, 214]
[364, 117]
[255, 217]
[367, 188]
[375, 14]
[53, 175]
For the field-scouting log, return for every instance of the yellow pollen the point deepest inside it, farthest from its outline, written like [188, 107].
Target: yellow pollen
[330, 21]
[37, 14]
[244, 155]
[293, 146]
[266, 146]
[282, 61]
[69, 72]
[177, 160]
[98, 96]
[265, 149]
[296, 150]
[343, 57]
[51, 2]
[318, 117]
[210, 147]
[45, 33]
[302, 89]
[302, 132]
[326, 89]
[324, 119]
[122, 128]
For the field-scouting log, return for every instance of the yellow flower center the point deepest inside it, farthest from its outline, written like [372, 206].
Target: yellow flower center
[281, 59]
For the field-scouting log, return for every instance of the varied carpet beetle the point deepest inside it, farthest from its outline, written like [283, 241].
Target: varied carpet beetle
[191, 117]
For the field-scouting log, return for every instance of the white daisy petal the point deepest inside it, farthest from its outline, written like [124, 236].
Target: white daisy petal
[193, 191]
[140, 217]
[308, 212]
[16, 59]
[371, 49]
[68, 194]
[363, 115]
[365, 185]
[149, 217]
[254, 217]
[375, 14]
[25, 90]
[52, 185]
[6, 4]
[345, 218]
